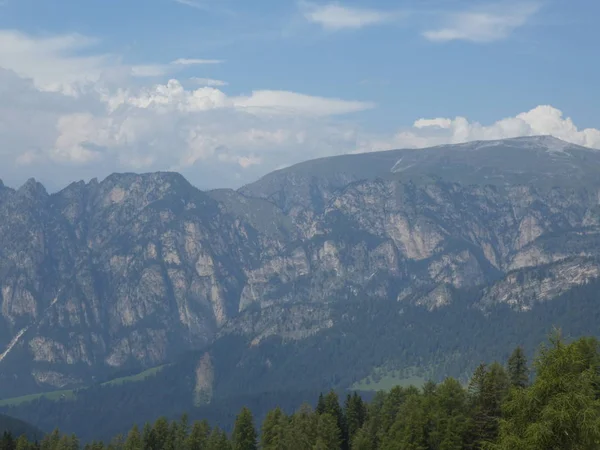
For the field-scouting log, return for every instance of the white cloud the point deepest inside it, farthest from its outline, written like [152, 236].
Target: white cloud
[192, 4]
[216, 139]
[68, 62]
[541, 120]
[334, 16]
[283, 102]
[483, 25]
[195, 62]
[209, 82]
[172, 96]
[114, 123]
[440, 123]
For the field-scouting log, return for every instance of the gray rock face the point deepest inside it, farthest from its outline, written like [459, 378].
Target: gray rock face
[134, 270]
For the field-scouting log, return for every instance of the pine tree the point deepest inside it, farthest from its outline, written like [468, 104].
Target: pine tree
[8, 442]
[333, 408]
[134, 439]
[198, 436]
[561, 409]
[320, 409]
[244, 434]
[180, 433]
[274, 430]
[301, 433]
[117, 443]
[162, 433]
[23, 443]
[355, 414]
[218, 440]
[362, 441]
[329, 435]
[408, 430]
[517, 369]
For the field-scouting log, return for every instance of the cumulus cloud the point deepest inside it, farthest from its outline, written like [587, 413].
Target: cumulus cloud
[213, 138]
[67, 62]
[541, 120]
[283, 102]
[483, 25]
[195, 62]
[107, 122]
[334, 16]
[210, 82]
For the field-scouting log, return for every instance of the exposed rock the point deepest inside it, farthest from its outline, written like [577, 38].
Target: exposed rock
[134, 270]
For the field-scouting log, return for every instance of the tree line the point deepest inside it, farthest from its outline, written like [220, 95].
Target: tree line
[499, 409]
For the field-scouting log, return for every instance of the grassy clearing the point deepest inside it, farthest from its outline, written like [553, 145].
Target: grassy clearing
[384, 380]
[72, 394]
[135, 378]
[54, 395]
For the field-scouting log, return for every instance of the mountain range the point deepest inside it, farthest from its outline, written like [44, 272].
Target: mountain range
[333, 273]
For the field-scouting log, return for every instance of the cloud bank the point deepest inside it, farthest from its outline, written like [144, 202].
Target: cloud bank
[483, 25]
[103, 119]
[334, 16]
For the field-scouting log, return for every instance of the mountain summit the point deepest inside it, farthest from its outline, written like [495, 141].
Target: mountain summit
[133, 271]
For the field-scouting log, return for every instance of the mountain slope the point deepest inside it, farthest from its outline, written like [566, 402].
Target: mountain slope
[386, 253]
[18, 428]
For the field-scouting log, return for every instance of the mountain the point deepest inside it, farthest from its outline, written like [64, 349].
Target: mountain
[18, 428]
[345, 269]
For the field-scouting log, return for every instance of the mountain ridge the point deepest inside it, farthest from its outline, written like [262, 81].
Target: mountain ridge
[129, 272]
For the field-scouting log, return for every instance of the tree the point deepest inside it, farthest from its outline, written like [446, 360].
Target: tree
[333, 408]
[50, 441]
[561, 409]
[149, 438]
[273, 430]
[487, 390]
[218, 440]
[517, 369]
[408, 430]
[23, 443]
[355, 414]
[244, 434]
[198, 437]
[320, 409]
[134, 439]
[302, 430]
[329, 435]
[180, 433]
[8, 442]
[362, 441]
[162, 433]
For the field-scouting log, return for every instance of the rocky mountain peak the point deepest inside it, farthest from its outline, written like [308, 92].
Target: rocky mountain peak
[33, 190]
[137, 268]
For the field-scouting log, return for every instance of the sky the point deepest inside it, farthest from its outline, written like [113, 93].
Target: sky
[225, 91]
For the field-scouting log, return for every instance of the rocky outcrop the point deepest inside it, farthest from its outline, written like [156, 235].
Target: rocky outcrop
[134, 270]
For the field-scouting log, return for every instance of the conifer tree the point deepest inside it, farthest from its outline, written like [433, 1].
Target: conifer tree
[198, 437]
[244, 434]
[561, 409]
[320, 409]
[355, 414]
[23, 443]
[333, 408]
[149, 438]
[517, 369]
[8, 442]
[329, 435]
[302, 430]
[218, 440]
[134, 439]
[273, 430]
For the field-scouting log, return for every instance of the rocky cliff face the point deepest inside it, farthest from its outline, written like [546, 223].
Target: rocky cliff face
[134, 270]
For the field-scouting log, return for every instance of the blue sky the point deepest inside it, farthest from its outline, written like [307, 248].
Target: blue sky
[227, 90]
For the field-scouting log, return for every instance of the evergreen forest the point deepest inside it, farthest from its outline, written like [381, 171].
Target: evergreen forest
[551, 404]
